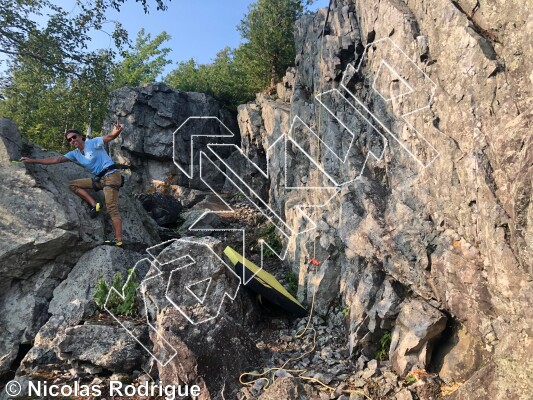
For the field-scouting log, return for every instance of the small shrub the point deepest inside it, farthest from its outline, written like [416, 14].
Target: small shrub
[384, 342]
[238, 196]
[269, 235]
[345, 311]
[292, 282]
[115, 303]
[102, 289]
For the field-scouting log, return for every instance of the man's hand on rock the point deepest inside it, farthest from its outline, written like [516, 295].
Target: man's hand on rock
[117, 129]
[27, 160]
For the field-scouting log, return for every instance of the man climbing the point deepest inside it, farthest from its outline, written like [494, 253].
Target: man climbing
[91, 154]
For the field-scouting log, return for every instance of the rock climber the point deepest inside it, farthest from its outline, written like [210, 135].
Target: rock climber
[91, 154]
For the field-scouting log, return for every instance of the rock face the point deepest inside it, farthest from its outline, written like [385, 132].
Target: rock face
[435, 206]
[72, 303]
[111, 348]
[198, 335]
[404, 124]
[417, 327]
[158, 133]
[45, 231]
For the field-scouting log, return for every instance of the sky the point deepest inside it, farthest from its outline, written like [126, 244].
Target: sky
[199, 29]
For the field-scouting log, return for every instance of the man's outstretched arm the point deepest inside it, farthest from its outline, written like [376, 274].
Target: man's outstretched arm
[46, 161]
[114, 133]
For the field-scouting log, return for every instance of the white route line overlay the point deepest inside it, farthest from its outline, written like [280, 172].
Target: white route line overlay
[427, 80]
[284, 138]
[166, 358]
[158, 358]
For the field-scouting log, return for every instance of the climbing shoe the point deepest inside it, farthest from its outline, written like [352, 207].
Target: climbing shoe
[112, 243]
[94, 210]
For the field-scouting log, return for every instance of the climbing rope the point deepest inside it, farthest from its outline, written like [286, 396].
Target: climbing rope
[312, 263]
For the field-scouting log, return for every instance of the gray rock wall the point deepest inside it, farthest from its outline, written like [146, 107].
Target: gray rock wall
[45, 229]
[443, 213]
[158, 132]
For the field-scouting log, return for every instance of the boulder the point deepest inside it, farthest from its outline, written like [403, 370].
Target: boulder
[201, 221]
[158, 131]
[46, 229]
[199, 337]
[417, 328]
[109, 347]
[72, 301]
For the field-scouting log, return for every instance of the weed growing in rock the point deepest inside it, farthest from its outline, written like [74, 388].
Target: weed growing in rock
[384, 342]
[292, 282]
[116, 304]
[269, 235]
[238, 196]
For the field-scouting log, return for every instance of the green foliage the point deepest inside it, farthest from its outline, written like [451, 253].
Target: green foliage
[115, 303]
[345, 311]
[268, 29]
[384, 342]
[260, 218]
[43, 102]
[292, 281]
[53, 82]
[144, 63]
[269, 235]
[410, 379]
[60, 43]
[100, 294]
[238, 196]
[224, 79]
[236, 75]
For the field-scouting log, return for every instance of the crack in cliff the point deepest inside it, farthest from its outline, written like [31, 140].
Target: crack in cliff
[488, 37]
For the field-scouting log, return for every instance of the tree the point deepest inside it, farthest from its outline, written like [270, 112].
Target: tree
[224, 79]
[44, 102]
[144, 63]
[53, 82]
[236, 75]
[269, 30]
[189, 77]
[61, 44]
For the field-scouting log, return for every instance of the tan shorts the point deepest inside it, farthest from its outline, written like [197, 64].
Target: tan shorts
[109, 183]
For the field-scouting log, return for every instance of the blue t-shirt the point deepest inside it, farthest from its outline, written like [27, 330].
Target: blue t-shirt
[94, 156]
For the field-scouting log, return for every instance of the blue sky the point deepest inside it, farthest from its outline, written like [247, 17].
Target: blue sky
[198, 29]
